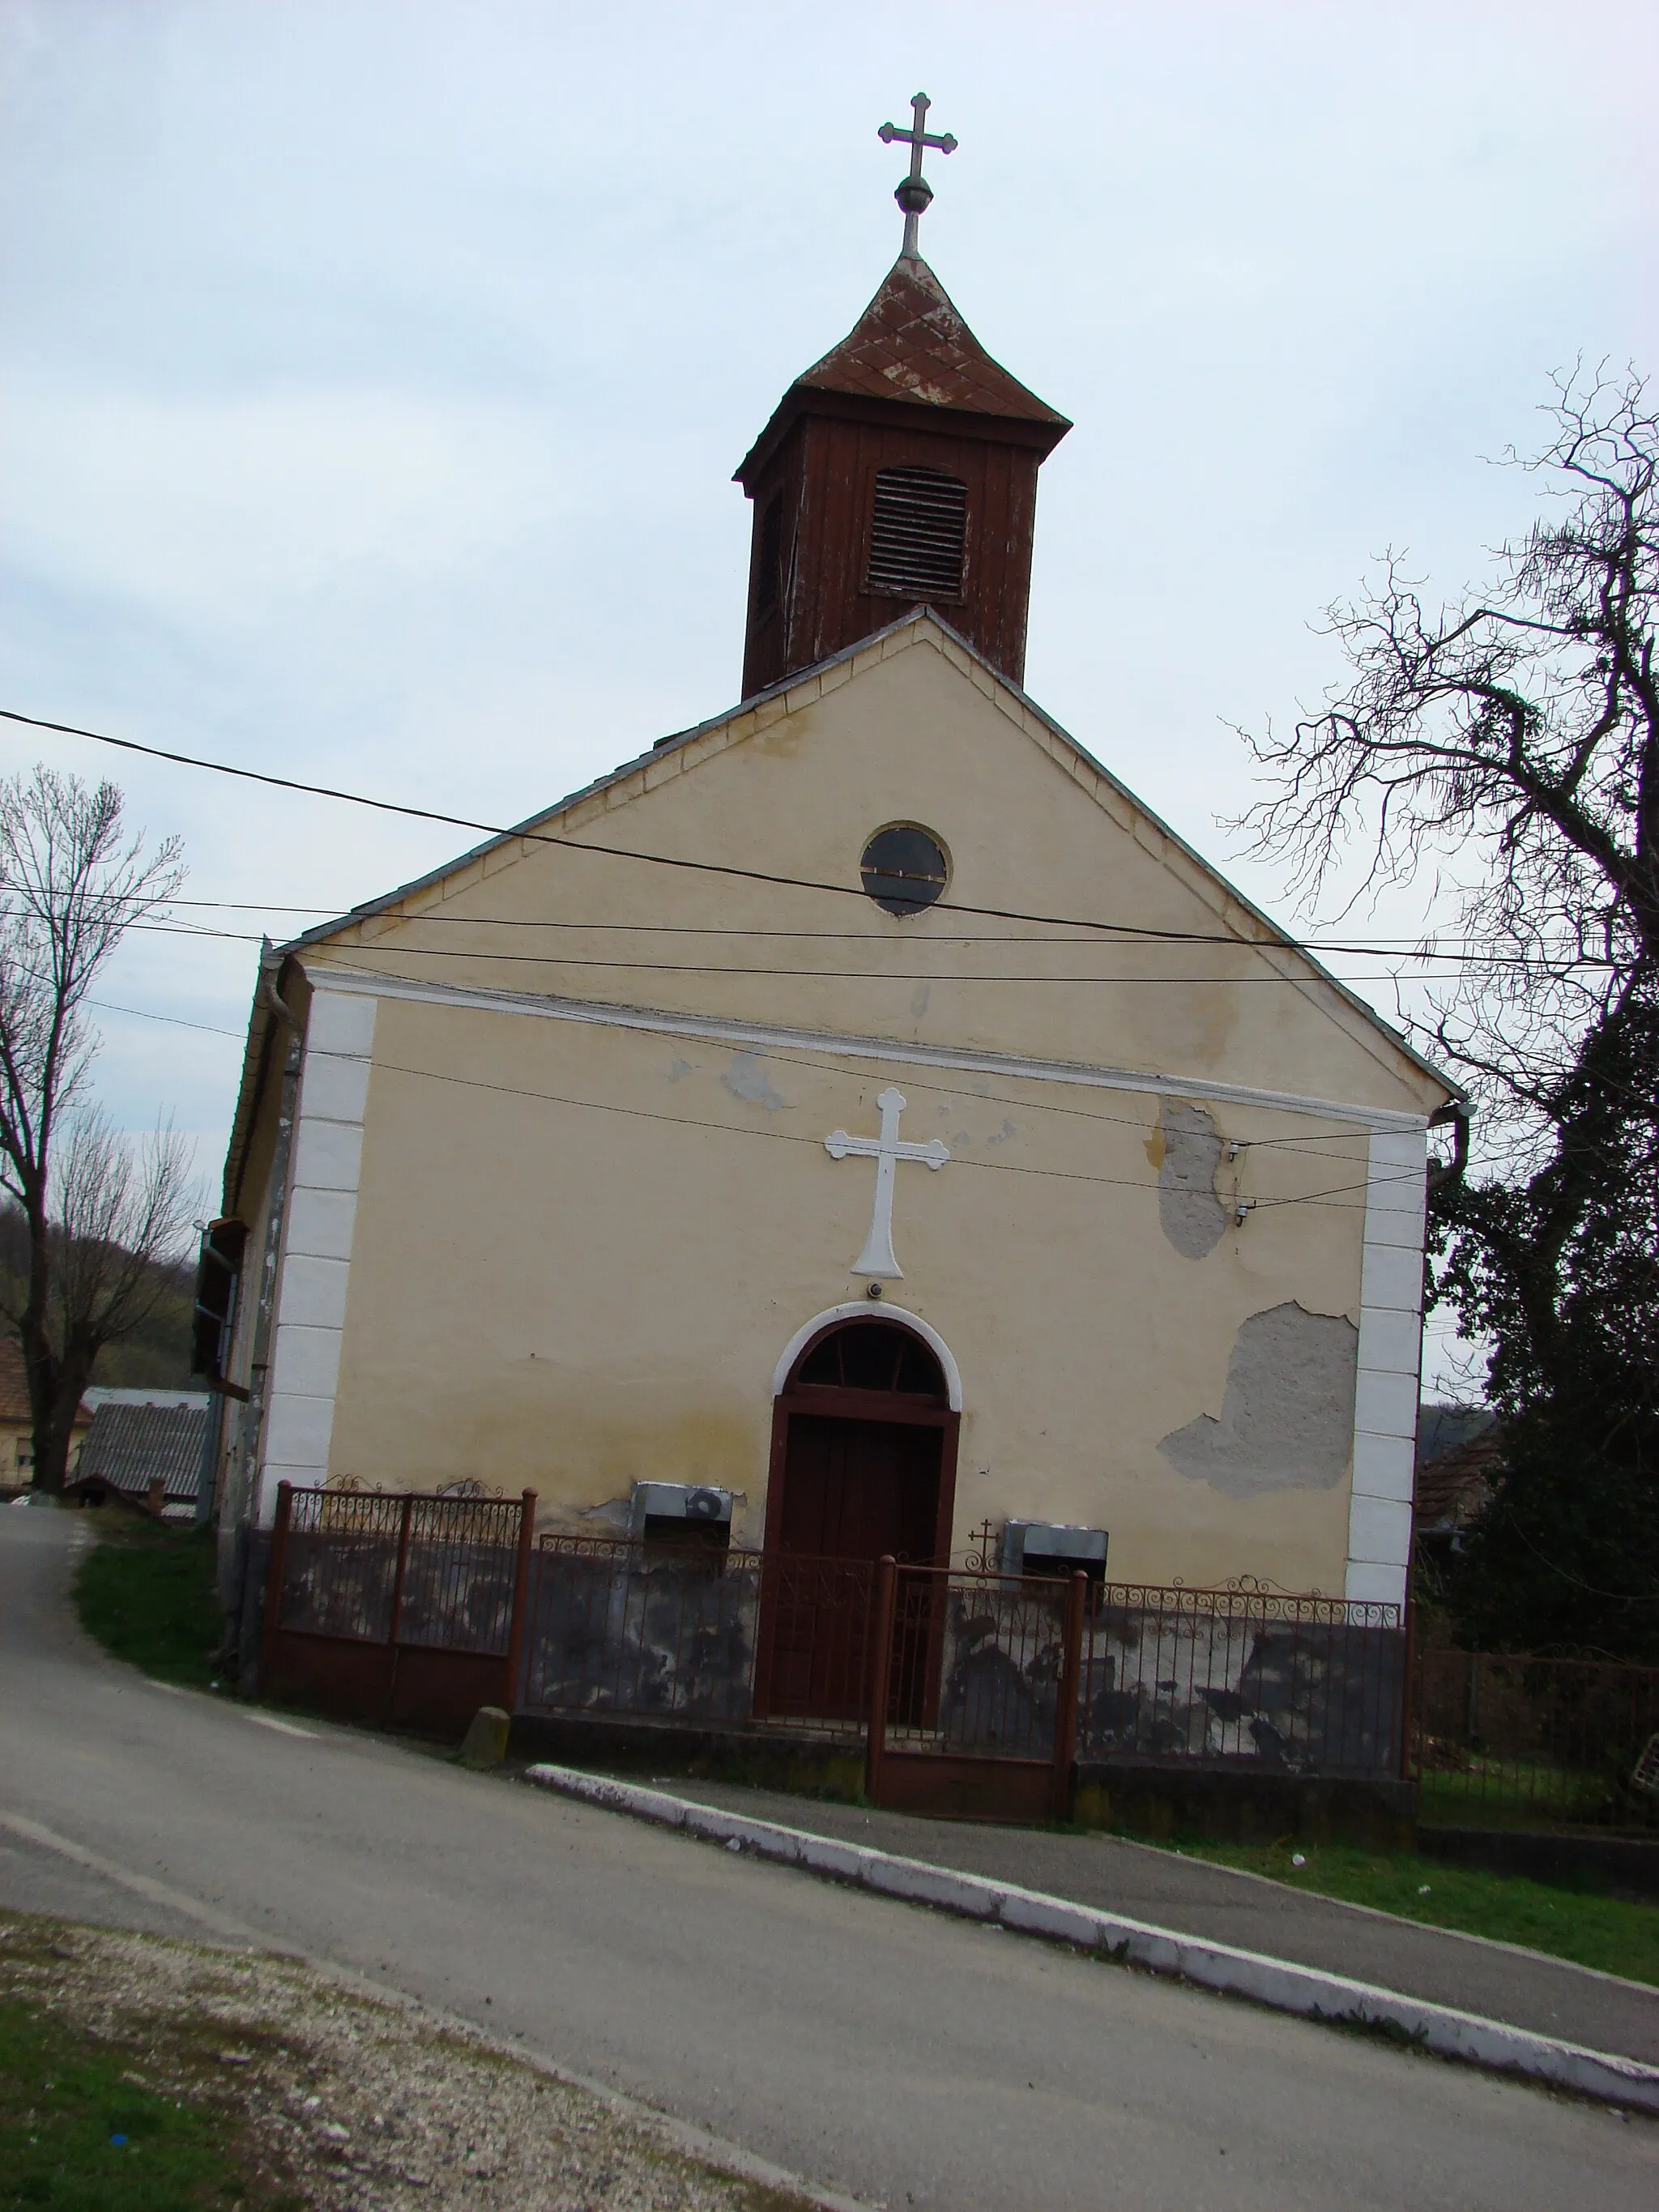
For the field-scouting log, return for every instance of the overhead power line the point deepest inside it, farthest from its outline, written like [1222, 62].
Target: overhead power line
[647, 859]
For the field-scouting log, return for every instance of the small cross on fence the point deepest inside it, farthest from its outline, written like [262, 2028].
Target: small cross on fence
[914, 193]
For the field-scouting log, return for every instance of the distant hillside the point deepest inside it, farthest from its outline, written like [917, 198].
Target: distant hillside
[157, 1355]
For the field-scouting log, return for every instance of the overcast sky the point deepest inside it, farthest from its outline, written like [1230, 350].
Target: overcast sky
[375, 374]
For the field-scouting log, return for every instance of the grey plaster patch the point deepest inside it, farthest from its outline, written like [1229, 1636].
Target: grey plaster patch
[678, 1069]
[1191, 1215]
[1287, 1416]
[747, 1079]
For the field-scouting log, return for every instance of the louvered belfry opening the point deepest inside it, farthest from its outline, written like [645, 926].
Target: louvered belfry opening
[918, 534]
[901, 471]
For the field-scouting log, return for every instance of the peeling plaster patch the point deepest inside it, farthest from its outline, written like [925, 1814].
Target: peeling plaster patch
[1186, 1151]
[1287, 1418]
[614, 1513]
[1003, 1134]
[747, 1079]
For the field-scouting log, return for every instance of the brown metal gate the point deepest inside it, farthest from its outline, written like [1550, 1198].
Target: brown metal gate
[973, 1684]
[401, 1611]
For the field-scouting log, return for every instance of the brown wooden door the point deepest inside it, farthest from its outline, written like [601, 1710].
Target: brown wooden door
[857, 1490]
[853, 1490]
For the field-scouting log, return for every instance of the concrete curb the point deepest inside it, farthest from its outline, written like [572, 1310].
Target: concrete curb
[1277, 1983]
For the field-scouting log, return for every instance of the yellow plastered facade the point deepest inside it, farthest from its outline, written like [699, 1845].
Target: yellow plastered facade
[593, 1200]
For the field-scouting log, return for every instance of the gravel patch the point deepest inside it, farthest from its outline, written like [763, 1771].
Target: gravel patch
[347, 2104]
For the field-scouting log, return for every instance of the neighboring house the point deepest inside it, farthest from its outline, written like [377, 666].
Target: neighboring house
[17, 1423]
[856, 1120]
[144, 1448]
[1455, 1487]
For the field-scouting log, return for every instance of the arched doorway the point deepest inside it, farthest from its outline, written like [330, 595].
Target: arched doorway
[863, 1447]
[864, 1461]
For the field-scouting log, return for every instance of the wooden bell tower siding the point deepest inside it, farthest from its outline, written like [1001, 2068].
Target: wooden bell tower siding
[910, 390]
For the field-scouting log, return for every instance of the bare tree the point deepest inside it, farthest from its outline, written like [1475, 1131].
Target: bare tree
[1506, 746]
[1509, 743]
[94, 1215]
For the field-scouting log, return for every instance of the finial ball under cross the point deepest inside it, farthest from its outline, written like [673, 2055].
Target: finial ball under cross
[914, 193]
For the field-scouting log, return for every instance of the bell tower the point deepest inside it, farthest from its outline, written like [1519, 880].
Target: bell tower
[900, 470]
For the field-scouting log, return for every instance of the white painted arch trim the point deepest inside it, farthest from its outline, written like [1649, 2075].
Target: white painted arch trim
[761, 1036]
[871, 1309]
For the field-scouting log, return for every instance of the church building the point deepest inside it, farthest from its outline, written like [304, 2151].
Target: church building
[857, 1125]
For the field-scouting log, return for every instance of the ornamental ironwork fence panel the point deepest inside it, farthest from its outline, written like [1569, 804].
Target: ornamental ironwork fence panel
[458, 1578]
[339, 1565]
[444, 1567]
[694, 1632]
[619, 1627]
[1192, 1676]
[1514, 1741]
[976, 1663]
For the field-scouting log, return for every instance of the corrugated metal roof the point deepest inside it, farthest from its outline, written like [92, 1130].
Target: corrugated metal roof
[129, 1447]
[912, 343]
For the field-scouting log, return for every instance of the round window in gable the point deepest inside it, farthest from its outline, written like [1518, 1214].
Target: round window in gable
[904, 869]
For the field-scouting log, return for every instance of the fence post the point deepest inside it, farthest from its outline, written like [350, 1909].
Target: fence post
[1409, 1691]
[396, 1620]
[1066, 1689]
[520, 1596]
[274, 1572]
[883, 1605]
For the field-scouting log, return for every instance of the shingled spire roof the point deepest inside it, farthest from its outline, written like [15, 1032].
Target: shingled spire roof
[911, 344]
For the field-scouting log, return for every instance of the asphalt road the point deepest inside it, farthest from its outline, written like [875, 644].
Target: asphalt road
[882, 2051]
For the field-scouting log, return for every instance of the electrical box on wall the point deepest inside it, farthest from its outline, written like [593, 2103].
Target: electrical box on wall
[1054, 1547]
[680, 1513]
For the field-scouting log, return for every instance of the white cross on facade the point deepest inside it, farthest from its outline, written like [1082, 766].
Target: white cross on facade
[876, 1257]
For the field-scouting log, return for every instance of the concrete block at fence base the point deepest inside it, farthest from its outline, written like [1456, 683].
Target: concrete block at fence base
[761, 1758]
[1246, 1803]
[485, 1741]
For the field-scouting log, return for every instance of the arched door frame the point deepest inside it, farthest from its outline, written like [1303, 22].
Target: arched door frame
[835, 1403]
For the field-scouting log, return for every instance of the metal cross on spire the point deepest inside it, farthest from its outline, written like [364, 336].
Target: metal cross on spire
[914, 193]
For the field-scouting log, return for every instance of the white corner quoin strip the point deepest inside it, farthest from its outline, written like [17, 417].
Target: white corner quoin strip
[322, 1212]
[1387, 1385]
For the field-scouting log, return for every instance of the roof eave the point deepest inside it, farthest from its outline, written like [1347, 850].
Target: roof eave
[1039, 435]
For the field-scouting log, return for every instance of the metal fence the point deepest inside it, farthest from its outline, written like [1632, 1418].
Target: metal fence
[682, 1632]
[1313, 1684]
[977, 1662]
[1517, 1742]
[432, 1571]
[396, 1608]
[419, 1608]
[976, 1659]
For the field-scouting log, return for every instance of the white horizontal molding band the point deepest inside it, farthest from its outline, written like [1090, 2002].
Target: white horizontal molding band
[1279, 1983]
[759, 1036]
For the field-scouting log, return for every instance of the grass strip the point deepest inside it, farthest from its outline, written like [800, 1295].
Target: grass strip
[1581, 1924]
[147, 1593]
[80, 2131]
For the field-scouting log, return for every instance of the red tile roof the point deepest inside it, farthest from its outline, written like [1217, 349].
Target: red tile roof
[1454, 1488]
[911, 344]
[14, 1386]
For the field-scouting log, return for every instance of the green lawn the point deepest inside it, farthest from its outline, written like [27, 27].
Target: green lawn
[1580, 1924]
[147, 1593]
[78, 2134]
